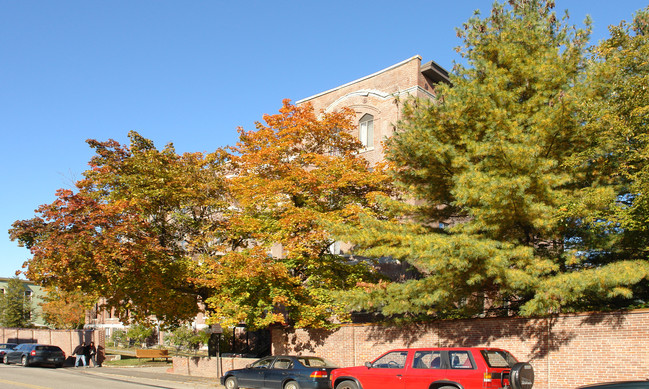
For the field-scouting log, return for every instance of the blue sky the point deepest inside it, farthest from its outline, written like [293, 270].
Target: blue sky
[191, 72]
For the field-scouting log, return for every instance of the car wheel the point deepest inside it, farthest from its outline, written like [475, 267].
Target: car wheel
[231, 383]
[347, 385]
[292, 385]
[521, 376]
[24, 361]
[6, 359]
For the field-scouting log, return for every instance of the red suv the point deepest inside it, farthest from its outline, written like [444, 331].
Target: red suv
[438, 368]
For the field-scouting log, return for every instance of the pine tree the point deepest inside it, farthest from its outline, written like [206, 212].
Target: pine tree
[15, 307]
[504, 158]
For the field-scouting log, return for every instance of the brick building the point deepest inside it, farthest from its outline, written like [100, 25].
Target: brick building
[101, 319]
[377, 99]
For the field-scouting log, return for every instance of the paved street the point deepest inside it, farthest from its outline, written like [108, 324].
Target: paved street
[13, 376]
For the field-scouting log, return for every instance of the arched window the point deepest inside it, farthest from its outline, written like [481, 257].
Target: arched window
[366, 131]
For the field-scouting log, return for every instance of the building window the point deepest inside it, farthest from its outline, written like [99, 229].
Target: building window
[28, 295]
[366, 131]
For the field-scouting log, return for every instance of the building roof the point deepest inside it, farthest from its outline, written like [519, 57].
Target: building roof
[359, 80]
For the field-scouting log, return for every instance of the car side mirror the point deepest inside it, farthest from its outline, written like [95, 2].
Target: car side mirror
[368, 364]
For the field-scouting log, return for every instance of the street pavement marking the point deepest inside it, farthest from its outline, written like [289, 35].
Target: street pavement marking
[23, 385]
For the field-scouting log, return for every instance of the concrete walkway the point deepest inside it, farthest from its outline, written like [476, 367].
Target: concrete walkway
[154, 376]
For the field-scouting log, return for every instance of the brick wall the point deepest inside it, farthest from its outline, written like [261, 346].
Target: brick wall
[566, 351]
[66, 339]
[207, 367]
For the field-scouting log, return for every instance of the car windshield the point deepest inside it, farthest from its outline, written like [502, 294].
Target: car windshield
[8, 345]
[498, 358]
[315, 362]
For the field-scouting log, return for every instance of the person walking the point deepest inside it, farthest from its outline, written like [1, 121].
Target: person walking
[80, 354]
[91, 354]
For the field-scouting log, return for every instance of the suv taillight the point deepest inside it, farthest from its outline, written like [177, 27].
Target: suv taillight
[497, 379]
[32, 353]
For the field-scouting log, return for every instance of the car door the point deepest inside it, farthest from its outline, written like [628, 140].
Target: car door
[388, 371]
[277, 373]
[16, 354]
[253, 376]
[425, 368]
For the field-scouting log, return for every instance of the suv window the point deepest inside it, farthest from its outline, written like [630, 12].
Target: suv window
[393, 360]
[498, 358]
[460, 360]
[427, 360]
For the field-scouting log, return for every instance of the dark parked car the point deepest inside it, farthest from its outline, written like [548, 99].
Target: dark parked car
[4, 347]
[281, 372]
[619, 385]
[439, 368]
[28, 354]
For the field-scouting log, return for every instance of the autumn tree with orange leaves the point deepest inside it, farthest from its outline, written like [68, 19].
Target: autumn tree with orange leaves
[65, 310]
[130, 231]
[293, 176]
[154, 232]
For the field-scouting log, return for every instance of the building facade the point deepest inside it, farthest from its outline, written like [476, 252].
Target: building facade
[377, 100]
[105, 320]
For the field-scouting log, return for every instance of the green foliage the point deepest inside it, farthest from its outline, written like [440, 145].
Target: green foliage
[118, 338]
[186, 338]
[15, 308]
[544, 195]
[614, 113]
[139, 333]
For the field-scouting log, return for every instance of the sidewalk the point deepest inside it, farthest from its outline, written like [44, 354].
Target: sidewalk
[154, 376]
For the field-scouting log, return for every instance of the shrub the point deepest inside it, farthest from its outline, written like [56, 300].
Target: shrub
[186, 338]
[118, 338]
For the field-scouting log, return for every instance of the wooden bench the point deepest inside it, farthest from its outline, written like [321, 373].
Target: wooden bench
[152, 353]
